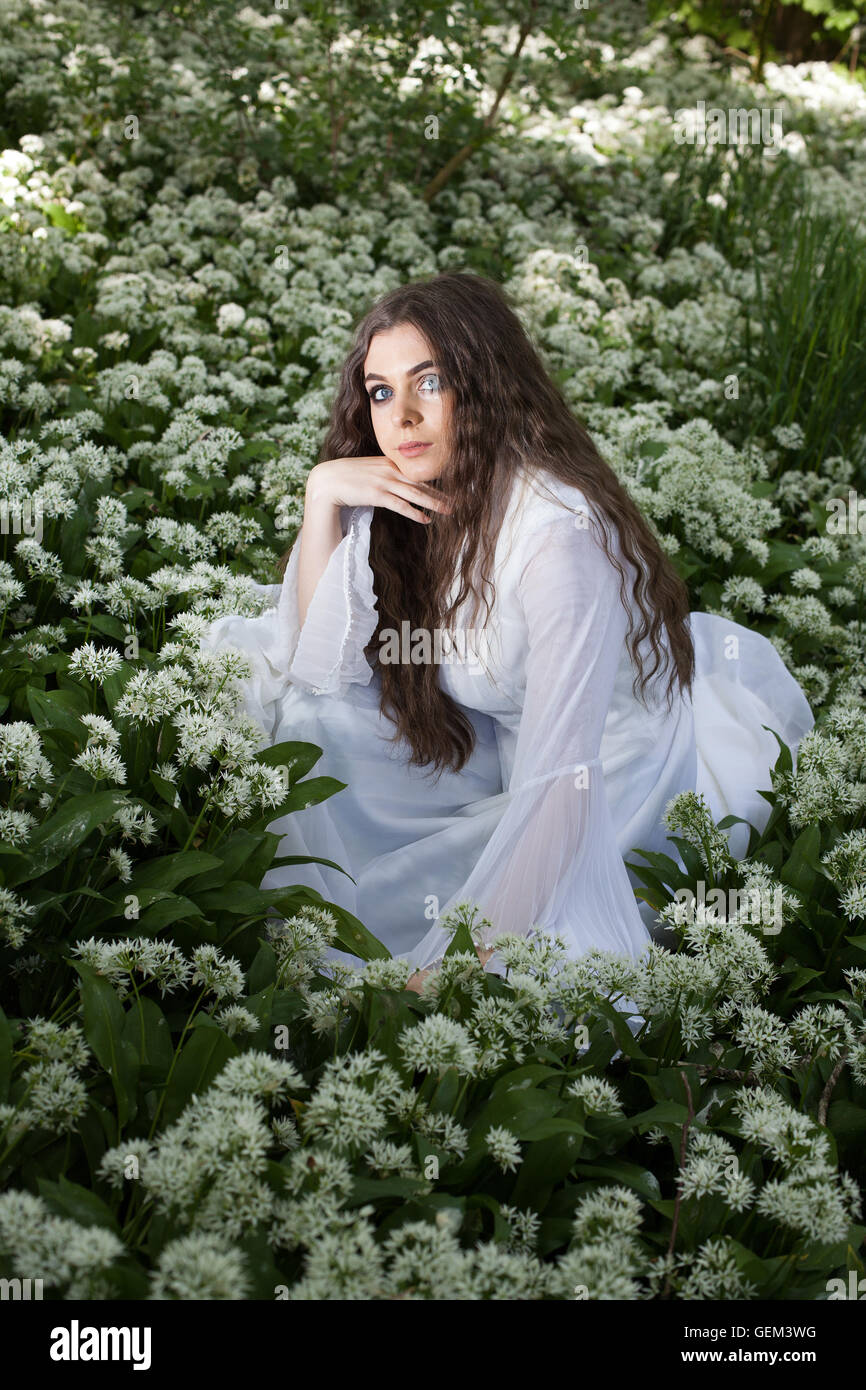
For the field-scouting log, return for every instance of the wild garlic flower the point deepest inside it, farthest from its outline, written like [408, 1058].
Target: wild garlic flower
[386, 973]
[301, 943]
[55, 1096]
[525, 1227]
[221, 975]
[788, 1136]
[21, 754]
[846, 861]
[437, 1043]
[159, 961]
[689, 813]
[224, 1138]
[203, 1265]
[39, 1245]
[712, 1167]
[58, 1043]
[343, 1260]
[600, 1271]
[443, 1131]
[135, 823]
[821, 1030]
[741, 592]
[504, 1147]
[599, 1097]
[500, 1030]
[819, 789]
[16, 827]
[609, 1210]
[95, 663]
[286, 1132]
[103, 764]
[764, 1036]
[236, 1020]
[100, 730]
[125, 1162]
[15, 927]
[713, 1273]
[387, 1159]
[151, 695]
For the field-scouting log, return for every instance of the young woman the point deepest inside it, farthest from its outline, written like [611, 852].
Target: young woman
[481, 632]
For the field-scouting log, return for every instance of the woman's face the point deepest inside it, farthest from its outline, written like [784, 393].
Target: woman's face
[407, 401]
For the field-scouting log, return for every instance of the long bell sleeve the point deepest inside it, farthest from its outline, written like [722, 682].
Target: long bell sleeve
[552, 859]
[326, 654]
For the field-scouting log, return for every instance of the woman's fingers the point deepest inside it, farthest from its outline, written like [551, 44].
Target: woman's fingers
[428, 498]
[397, 504]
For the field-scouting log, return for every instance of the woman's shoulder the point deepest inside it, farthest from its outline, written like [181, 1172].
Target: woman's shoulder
[538, 500]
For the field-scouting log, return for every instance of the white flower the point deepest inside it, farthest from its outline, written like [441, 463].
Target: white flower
[437, 1043]
[504, 1147]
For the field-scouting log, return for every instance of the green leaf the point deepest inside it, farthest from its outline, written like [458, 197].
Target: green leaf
[79, 1203]
[59, 217]
[263, 971]
[203, 1057]
[461, 941]
[545, 1163]
[518, 1109]
[104, 1023]
[377, 1189]
[546, 1129]
[148, 1033]
[629, 1174]
[802, 869]
[54, 840]
[5, 1056]
[668, 1112]
[299, 758]
[174, 907]
[59, 709]
[171, 869]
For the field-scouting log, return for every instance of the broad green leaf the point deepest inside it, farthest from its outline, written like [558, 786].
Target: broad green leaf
[59, 709]
[104, 1024]
[203, 1057]
[54, 840]
[78, 1203]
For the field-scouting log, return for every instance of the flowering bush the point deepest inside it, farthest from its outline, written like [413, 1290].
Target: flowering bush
[196, 1100]
[595, 1128]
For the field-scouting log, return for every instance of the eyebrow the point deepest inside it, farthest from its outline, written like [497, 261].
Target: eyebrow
[411, 372]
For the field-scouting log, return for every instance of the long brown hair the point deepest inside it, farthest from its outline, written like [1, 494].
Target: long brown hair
[505, 411]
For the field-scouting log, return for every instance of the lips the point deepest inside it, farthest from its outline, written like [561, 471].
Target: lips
[415, 447]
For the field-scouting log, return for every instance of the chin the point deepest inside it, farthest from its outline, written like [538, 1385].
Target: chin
[422, 470]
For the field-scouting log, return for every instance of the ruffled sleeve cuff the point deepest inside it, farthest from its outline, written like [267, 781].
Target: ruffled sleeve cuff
[328, 654]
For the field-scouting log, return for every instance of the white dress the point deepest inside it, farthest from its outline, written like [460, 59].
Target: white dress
[570, 771]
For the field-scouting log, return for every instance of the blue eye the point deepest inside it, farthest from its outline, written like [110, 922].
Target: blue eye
[429, 376]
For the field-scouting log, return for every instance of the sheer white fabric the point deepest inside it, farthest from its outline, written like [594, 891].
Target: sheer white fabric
[327, 654]
[570, 771]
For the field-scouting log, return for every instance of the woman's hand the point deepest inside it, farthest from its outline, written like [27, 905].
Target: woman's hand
[371, 482]
[352, 482]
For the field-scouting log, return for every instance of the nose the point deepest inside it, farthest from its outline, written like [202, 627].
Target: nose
[403, 412]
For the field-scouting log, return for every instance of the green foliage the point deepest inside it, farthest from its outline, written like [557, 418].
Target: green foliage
[196, 1098]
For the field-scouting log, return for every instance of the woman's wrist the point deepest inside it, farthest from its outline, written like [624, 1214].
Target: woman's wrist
[320, 535]
[317, 495]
